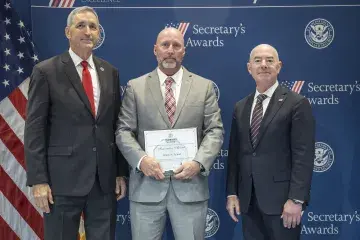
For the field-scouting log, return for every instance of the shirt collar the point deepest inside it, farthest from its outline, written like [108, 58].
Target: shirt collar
[177, 76]
[77, 60]
[268, 92]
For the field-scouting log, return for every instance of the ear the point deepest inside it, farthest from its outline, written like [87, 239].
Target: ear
[279, 67]
[67, 32]
[184, 51]
[248, 67]
[155, 53]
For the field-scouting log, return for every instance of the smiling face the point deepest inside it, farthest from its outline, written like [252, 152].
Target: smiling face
[169, 50]
[83, 33]
[264, 66]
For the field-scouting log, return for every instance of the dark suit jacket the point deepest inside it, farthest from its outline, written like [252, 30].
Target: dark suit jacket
[281, 164]
[64, 144]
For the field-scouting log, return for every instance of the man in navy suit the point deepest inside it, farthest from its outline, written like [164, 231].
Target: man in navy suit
[271, 154]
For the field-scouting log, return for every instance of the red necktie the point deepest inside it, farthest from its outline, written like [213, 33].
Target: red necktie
[87, 83]
[170, 103]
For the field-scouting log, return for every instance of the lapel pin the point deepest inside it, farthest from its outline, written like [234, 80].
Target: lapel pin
[280, 100]
[102, 69]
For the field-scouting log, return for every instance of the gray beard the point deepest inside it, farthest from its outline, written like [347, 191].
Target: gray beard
[167, 65]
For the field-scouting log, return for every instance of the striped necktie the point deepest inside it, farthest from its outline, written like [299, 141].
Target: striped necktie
[170, 103]
[256, 119]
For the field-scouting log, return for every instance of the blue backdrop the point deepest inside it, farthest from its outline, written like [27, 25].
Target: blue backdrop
[319, 47]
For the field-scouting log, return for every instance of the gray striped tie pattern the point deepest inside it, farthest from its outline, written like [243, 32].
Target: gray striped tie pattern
[256, 119]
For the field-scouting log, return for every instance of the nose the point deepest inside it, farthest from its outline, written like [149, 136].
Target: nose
[171, 49]
[263, 63]
[87, 30]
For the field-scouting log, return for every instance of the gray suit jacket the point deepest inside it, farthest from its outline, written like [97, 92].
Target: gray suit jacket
[143, 108]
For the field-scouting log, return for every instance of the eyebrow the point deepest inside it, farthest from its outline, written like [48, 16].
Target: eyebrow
[170, 42]
[88, 22]
[261, 57]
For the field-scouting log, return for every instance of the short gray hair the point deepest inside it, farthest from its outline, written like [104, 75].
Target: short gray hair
[77, 10]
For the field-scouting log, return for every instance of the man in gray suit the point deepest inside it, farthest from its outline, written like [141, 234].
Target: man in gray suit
[170, 97]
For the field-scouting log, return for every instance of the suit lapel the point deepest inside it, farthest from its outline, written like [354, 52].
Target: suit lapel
[184, 91]
[245, 121]
[153, 84]
[103, 84]
[73, 76]
[275, 103]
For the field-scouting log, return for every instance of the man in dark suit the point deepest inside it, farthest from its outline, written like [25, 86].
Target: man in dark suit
[71, 156]
[271, 154]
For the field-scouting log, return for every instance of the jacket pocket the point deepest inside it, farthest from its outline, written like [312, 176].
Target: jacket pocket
[59, 151]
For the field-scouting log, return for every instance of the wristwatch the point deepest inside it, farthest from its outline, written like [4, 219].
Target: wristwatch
[297, 201]
[202, 169]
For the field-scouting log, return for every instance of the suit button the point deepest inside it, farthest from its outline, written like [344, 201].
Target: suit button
[94, 149]
[254, 154]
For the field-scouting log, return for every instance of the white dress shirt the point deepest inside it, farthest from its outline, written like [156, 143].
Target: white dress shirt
[94, 77]
[176, 86]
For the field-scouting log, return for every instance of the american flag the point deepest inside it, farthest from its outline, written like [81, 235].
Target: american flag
[19, 217]
[295, 86]
[61, 3]
[182, 27]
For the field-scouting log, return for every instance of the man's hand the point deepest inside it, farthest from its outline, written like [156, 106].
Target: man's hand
[151, 168]
[120, 189]
[291, 214]
[233, 206]
[187, 170]
[42, 195]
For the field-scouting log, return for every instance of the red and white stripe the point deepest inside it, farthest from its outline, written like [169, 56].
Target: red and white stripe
[183, 27]
[298, 86]
[15, 227]
[61, 3]
[20, 218]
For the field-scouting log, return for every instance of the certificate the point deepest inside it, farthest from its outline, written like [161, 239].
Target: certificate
[171, 147]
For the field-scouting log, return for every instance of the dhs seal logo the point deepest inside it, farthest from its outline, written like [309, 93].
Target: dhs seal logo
[319, 33]
[101, 38]
[324, 157]
[212, 223]
[217, 91]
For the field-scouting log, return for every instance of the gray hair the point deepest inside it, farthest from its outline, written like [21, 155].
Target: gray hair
[77, 10]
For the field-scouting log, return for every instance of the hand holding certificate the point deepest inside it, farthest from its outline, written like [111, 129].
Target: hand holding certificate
[171, 147]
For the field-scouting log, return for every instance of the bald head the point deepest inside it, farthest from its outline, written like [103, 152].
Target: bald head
[170, 31]
[265, 47]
